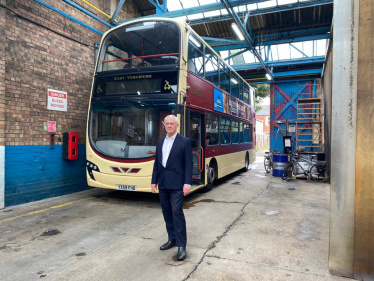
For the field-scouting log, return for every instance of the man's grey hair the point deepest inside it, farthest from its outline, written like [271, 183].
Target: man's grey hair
[172, 117]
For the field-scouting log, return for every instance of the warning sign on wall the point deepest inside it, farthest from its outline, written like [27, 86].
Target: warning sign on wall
[51, 126]
[57, 100]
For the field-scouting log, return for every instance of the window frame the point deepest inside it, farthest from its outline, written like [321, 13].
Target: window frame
[219, 134]
[220, 125]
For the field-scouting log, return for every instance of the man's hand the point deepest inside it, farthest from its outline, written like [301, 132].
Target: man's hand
[154, 187]
[186, 189]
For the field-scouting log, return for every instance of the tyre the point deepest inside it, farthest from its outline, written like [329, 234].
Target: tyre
[211, 178]
[316, 176]
[287, 172]
[246, 167]
[267, 164]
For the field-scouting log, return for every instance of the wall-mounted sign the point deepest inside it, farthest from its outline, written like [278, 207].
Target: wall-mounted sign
[292, 129]
[57, 100]
[51, 125]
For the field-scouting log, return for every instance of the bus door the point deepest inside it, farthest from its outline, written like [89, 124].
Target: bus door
[196, 133]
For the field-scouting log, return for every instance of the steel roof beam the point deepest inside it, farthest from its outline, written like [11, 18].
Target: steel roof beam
[227, 4]
[234, 46]
[263, 11]
[200, 9]
[316, 71]
[115, 14]
[276, 38]
[160, 9]
[310, 60]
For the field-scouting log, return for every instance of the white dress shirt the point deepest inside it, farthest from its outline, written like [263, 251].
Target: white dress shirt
[166, 147]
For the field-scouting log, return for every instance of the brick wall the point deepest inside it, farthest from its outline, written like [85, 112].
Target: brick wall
[44, 50]
[2, 73]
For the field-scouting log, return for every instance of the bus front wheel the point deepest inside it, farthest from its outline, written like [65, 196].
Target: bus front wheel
[211, 177]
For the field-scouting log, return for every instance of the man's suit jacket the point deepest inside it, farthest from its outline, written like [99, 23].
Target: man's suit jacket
[178, 170]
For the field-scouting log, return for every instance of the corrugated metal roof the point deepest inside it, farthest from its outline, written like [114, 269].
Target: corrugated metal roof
[272, 23]
[263, 26]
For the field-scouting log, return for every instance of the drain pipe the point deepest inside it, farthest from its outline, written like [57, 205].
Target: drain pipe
[68, 16]
[97, 45]
[87, 13]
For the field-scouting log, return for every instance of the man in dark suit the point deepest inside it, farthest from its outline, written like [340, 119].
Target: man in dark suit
[172, 175]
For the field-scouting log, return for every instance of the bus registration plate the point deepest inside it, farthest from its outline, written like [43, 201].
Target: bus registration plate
[126, 187]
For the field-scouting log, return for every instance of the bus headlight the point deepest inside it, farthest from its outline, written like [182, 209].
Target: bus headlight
[92, 167]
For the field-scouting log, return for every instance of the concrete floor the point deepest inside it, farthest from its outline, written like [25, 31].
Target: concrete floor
[251, 226]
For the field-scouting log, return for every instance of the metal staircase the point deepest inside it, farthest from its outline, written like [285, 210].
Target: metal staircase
[309, 130]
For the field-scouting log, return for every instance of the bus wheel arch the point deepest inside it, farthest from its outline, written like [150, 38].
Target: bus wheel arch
[212, 174]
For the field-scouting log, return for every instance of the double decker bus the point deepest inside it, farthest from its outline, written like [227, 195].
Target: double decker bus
[147, 69]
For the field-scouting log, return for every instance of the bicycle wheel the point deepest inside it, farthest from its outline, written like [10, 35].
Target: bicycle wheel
[316, 176]
[267, 164]
[287, 172]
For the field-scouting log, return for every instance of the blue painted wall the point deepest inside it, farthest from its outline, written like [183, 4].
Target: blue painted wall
[283, 106]
[38, 172]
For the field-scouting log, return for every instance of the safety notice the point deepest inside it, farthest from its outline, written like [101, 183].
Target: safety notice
[57, 100]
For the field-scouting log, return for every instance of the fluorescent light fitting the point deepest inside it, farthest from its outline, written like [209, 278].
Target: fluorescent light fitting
[234, 81]
[195, 42]
[138, 93]
[237, 31]
[268, 76]
[147, 25]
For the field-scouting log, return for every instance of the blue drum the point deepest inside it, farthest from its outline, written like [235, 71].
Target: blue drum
[279, 163]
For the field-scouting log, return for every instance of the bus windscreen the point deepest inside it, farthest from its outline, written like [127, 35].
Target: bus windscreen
[142, 44]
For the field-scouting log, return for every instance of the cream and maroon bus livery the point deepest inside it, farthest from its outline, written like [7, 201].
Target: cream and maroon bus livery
[146, 70]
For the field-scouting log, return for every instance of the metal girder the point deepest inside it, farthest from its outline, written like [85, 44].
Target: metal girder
[297, 49]
[238, 53]
[295, 39]
[87, 12]
[160, 9]
[119, 7]
[316, 71]
[262, 11]
[276, 38]
[200, 9]
[247, 37]
[281, 81]
[299, 72]
[309, 60]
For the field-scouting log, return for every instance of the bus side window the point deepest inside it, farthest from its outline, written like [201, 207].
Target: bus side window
[246, 94]
[225, 130]
[224, 77]
[235, 84]
[241, 133]
[195, 61]
[212, 129]
[211, 67]
[241, 89]
[248, 133]
[235, 132]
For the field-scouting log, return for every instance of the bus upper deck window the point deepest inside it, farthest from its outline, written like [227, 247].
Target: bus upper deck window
[195, 61]
[141, 44]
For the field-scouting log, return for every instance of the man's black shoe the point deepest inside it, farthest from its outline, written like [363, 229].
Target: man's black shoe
[168, 245]
[182, 253]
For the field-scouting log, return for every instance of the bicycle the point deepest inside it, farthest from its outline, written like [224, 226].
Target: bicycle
[315, 171]
[268, 160]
